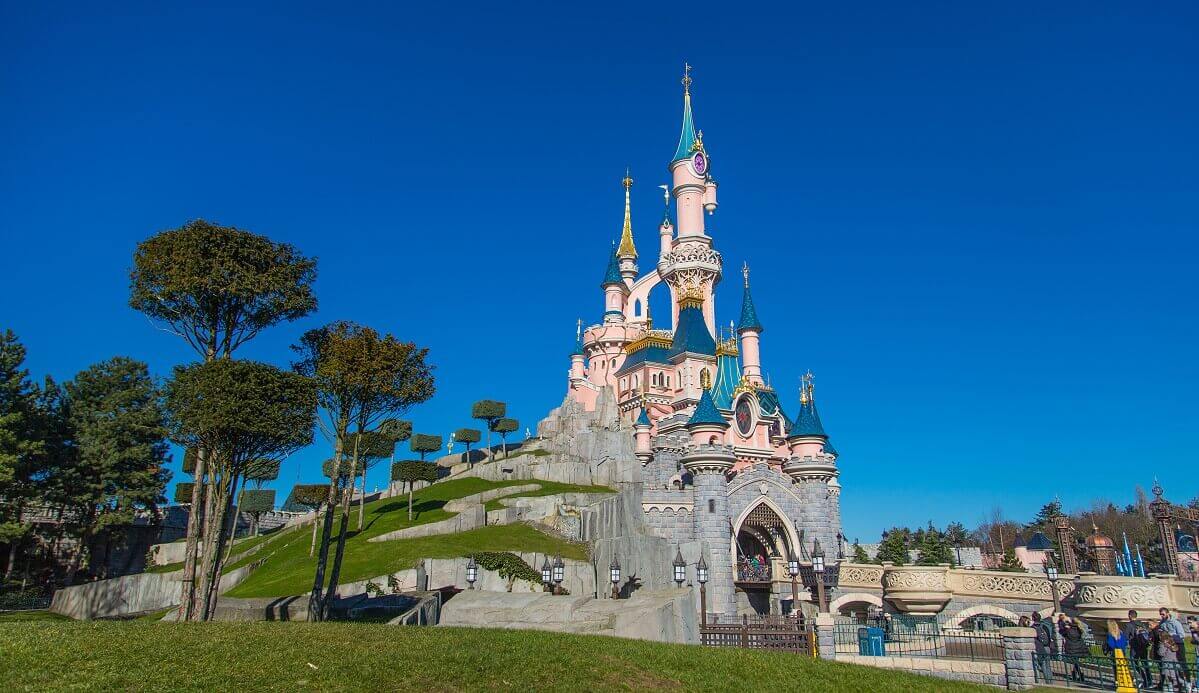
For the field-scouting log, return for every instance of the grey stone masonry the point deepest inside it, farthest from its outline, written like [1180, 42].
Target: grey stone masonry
[1017, 657]
[826, 641]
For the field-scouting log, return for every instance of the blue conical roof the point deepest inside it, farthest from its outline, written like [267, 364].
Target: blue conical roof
[706, 412]
[807, 421]
[643, 419]
[612, 274]
[687, 136]
[691, 334]
[749, 316]
[578, 350]
[829, 449]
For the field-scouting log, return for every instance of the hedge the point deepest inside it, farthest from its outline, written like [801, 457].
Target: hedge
[424, 442]
[505, 425]
[259, 500]
[468, 435]
[183, 492]
[488, 409]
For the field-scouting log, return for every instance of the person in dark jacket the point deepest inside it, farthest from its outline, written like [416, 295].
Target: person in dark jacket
[1074, 645]
[1140, 641]
[1044, 646]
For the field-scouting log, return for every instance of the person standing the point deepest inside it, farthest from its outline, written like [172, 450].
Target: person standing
[1171, 628]
[1140, 641]
[1074, 645]
[1116, 645]
[1167, 654]
[1044, 646]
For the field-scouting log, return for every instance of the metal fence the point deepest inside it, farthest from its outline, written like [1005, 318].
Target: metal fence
[779, 633]
[1101, 673]
[918, 638]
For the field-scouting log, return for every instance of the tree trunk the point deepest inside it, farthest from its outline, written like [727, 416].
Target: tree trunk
[236, 514]
[187, 595]
[315, 612]
[490, 452]
[362, 499]
[12, 555]
[316, 521]
[335, 574]
[214, 532]
[84, 537]
[410, 483]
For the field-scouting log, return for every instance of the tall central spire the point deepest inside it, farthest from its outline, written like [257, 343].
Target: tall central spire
[687, 136]
[627, 249]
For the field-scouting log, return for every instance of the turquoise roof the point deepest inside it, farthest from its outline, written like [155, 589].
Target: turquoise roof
[578, 350]
[691, 334]
[706, 412]
[687, 136]
[612, 274]
[769, 401]
[643, 419]
[829, 449]
[728, 376]
[807, 422]
[749, 316]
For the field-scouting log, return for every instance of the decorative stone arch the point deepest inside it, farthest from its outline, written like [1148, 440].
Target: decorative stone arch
[853, 598]
[955, 621]
[792, 536]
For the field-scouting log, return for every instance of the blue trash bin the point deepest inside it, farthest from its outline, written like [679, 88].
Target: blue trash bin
[870, 642]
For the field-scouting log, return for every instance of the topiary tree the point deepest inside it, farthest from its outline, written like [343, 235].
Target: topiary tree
[412, 471]
[183, 492]
[256, 501]
[424, 443]
[369, 448]
[468, 436]
[309, 497]
[504, 427]
[490, 411]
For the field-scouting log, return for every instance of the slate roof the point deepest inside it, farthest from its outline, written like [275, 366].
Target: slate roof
[706, 412]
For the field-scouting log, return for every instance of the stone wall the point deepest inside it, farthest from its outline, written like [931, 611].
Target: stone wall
[990, 673]
[131, 594]
[451, 573]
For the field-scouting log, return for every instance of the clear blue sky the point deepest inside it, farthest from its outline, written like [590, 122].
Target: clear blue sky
[976, 224]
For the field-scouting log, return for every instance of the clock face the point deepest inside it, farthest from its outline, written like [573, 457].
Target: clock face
[700, 163]
[744, 415]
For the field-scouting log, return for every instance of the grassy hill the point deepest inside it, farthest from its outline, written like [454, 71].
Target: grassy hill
[288, 569]
[350, 656]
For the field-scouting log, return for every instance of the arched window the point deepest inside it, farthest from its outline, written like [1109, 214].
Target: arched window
[613, 363]
[653, 379]
[637, 308]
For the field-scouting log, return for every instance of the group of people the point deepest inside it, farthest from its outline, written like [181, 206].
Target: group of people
[1139, 642]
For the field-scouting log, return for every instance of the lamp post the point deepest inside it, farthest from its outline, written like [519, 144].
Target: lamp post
[793, 571]
[614, 575]
[546, 574]
[1051, 573]
[472, 572]
[818, 568]
[559, 574]
[701, 575]
[680, 568]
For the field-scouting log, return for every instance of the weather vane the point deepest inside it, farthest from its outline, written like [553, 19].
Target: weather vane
[745, 273]
[686, 78]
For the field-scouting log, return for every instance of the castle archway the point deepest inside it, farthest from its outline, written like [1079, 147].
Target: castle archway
[854, 602]
[762, 534]
[961, 618]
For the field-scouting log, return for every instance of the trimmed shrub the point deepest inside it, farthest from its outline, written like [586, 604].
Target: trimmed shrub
[396, 429]
[307, 497]
[255, 501]
[424, 443]
[343, 472]
[488, 409]
[189, 461]
[410, 471]
[468, 436]
[261, 470]
[505, 426]
[183, 492]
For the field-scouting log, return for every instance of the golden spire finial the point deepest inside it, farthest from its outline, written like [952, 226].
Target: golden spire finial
[745, 273]
[686, 79]
[627, 249]
[807, 391]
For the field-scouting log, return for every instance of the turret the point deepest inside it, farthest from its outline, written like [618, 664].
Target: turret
[807, 440]
[642, 427]
[750, 329]
[615, 291]
[577, 370]
[690, 170]
[666, 228]
[626, 252]
[708, 460]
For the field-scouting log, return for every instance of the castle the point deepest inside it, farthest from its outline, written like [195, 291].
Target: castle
[723, 464]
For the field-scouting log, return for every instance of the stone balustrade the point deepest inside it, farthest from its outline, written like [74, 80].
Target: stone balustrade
[999, 584]
[918, 590]
[1101, 597]
[860, 576]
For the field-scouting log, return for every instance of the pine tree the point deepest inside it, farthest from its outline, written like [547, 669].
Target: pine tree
[933, 548]
[859, 554]
[1010, 563]
[893, 548]
[20, 445]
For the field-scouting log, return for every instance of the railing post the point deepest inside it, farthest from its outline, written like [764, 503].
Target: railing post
[826, 641]
[1017, 657]
[744, 631]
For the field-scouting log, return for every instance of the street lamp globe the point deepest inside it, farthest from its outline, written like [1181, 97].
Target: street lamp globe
[545, 572]
[792, 565]
[701, 571]
[614, 571]
[817, 557]
[680, 568]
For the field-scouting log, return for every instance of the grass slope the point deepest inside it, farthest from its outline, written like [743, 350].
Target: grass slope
[347, 656]
[289, 569]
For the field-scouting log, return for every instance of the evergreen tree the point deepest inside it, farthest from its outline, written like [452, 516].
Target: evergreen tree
[1010, 563]
[933, 548]
[216, 287]
[859, 554]
[489, 411]
[361, 377]
[411, 472]
[20, 446]
[894, 547]
[468, 437]
[119, 430]
[504, 427]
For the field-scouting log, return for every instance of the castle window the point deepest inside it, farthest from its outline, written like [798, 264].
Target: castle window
[711, 505]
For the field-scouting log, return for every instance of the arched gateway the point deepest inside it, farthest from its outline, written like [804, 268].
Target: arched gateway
[763, 539]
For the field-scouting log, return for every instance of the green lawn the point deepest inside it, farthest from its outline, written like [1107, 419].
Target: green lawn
[348, 656]
[34, 615]
[239, 547]
[289, 569]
